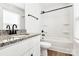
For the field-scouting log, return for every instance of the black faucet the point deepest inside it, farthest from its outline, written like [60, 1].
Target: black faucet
[13, 30]
[9, 31]
[8, 26]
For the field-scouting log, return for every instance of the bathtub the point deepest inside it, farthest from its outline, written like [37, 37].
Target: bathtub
[60, 44]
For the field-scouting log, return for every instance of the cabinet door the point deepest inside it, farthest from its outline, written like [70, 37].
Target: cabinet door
[29, 53]
[12, 50]
[35, 50]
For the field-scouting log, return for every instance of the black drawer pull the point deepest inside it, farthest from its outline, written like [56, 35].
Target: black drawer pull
[31, 54]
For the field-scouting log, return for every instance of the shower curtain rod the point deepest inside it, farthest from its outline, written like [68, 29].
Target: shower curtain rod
[42, 12]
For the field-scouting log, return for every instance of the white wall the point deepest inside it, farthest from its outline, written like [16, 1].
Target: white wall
[1, 18]
[22, 22]
[76, 20]
[58, 33]
[76, 30]
[19, 5]
[32, 25]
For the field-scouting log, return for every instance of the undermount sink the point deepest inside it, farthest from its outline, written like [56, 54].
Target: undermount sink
[25, 34]
[20, 35]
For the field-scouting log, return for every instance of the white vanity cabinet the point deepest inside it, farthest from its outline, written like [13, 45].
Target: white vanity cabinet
[28, 47]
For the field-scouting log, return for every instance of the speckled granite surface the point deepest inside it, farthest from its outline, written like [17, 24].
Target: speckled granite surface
[10, 39]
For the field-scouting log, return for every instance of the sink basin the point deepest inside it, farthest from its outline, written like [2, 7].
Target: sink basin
[25, 34]
[19, 36]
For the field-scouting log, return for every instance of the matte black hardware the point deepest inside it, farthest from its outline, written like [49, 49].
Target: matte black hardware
[42, 12]
[8, 26]
[43, 34]
[42, 31]
[13, 30]
[33, 16]
[8, 31]
[31, 54]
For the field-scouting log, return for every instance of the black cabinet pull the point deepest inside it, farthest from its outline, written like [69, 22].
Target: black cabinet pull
[31, 54]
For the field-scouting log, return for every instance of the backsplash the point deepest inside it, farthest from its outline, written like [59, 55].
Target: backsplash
[22, 31]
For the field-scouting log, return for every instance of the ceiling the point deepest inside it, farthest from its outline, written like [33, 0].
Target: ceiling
[19, 5]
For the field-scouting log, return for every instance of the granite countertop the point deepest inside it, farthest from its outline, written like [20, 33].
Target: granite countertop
[9, 39]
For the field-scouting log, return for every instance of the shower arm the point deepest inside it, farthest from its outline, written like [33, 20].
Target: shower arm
[42, 12]
[33, 16]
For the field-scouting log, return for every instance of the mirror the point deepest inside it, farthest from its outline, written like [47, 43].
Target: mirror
[12, 14]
